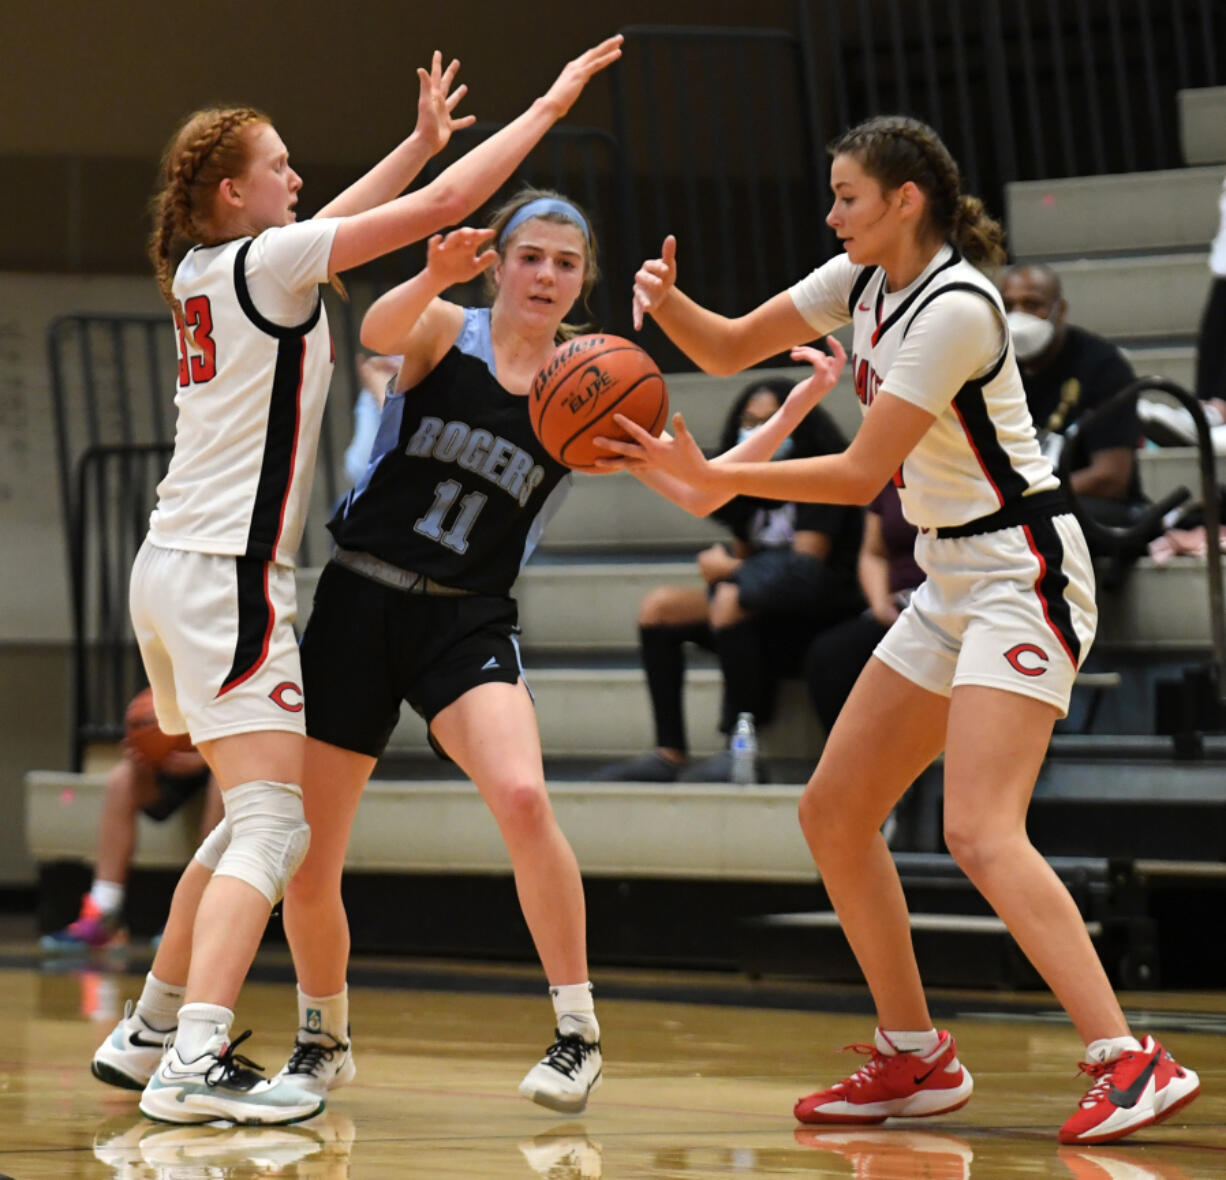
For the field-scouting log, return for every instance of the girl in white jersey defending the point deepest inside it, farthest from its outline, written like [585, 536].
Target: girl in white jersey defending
[416, 606]
[213, 598]
[981, 664]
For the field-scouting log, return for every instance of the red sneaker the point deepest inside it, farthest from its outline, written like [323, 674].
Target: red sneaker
[899, 1085]
[1135, 1090]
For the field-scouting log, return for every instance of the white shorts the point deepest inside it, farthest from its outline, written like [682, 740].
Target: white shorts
[1011, 609]
[217, 639]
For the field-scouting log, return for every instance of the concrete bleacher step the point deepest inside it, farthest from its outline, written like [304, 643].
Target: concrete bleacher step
[583, 606]
[1174, 362]
[679, 830]
[1202, 124]
[605, 713]
[1163, 469]
[1153, 298]
[1133, 213]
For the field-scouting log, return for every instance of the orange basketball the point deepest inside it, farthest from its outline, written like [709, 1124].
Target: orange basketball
[579, 389]
[141, 731]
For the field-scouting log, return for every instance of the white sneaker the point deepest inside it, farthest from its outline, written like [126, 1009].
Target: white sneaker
[565, 1076]
[564, 1152]
[319, 1063]
[219, 1084]
[204, 1150]
[128, 1057]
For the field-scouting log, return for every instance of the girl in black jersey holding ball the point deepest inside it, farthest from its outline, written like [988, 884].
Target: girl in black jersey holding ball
[415, 605]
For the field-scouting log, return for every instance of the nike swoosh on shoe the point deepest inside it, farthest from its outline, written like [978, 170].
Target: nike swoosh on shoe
[1131, 1095]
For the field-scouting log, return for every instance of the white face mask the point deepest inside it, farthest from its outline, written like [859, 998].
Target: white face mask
[782, 452]
[1031, 334]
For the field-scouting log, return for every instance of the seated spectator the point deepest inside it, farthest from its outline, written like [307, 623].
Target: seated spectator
[788, 573]
[1068, 371]
[132, 786]
[888, 574]
[374, 372]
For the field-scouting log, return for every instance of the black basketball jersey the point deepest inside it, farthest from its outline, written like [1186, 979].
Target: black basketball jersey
[458, 487]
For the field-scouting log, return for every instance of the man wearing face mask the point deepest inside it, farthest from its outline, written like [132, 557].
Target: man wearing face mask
[1068, 371]
[788, 573]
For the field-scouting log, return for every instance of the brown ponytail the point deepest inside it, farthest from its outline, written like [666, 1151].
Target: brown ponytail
[894, 149]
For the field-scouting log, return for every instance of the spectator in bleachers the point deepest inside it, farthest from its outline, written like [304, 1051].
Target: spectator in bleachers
[788, 573]
[1068, 371]
[132, 786]
[374, 372]
[888, 573]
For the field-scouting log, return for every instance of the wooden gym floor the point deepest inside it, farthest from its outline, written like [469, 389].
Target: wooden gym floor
[699, 1082]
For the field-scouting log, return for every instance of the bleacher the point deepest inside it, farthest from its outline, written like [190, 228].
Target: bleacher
[1128, 822]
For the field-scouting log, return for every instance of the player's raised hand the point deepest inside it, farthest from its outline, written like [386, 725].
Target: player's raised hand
[827, 369]
[654, 281]
[436, 102]
[575, 74]
[454, 258]
[677, 454]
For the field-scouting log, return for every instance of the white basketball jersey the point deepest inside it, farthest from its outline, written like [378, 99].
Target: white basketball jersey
[942, 344]
[250, 395]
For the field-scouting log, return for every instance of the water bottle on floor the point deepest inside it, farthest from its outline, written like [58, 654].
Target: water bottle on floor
[744, 749]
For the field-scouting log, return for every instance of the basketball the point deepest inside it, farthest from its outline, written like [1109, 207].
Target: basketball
[141, 731]
[578, 390]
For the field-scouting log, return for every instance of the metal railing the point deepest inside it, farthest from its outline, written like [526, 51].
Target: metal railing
[114, 492]
[1150, 523]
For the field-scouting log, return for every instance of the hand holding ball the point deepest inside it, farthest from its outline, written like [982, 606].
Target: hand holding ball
[578, 390]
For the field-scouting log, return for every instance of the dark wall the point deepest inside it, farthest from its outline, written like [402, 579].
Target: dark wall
[89, 101]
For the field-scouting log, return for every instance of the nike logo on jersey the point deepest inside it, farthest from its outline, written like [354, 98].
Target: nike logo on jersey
[1132, 1094]
[492, 662]
[864, 307]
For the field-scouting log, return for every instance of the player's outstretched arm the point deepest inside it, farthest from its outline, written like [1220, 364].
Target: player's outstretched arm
[471, 180]
[411, 319]
[717, 344]
[436, 102]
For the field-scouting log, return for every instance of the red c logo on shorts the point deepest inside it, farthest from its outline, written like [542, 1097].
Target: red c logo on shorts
[1015, 653]
[287, 688]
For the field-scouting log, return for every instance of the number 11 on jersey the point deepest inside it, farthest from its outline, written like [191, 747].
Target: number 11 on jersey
[431, 525]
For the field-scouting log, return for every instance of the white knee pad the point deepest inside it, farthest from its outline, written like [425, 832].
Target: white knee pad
[268, 835]
[213, 845]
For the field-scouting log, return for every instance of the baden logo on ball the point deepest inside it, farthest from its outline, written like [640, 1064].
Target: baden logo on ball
[578, 390]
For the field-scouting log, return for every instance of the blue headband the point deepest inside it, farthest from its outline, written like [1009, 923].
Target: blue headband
[540, 206]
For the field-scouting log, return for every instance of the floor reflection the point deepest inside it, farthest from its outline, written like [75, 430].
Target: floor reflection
[136, 1149]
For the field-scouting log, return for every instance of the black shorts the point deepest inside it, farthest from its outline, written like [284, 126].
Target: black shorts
[368, 647]
[173, 791]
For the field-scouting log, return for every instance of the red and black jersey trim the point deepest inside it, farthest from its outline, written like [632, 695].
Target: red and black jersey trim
[255, 622]
[857, 288]
[970, 405]
[284, 410]
[883, 326]
[1048, 549]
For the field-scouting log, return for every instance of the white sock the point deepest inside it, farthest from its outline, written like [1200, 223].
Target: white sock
[921, 1042]
[199, 1024]
[575, 1011]
[159, 1004]
[325, 1014]
[1109, 1048]
[107, 896]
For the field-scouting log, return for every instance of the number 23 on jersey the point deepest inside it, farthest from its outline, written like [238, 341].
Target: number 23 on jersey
[199, 364]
